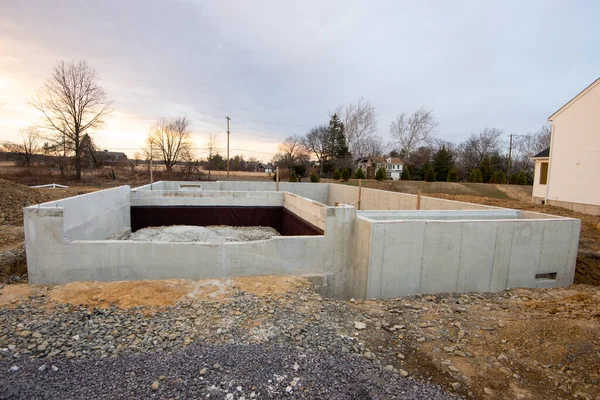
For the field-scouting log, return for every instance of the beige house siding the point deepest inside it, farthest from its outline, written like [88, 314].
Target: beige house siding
[575, 151]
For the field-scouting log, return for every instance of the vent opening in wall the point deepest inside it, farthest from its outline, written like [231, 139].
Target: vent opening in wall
[546, 276]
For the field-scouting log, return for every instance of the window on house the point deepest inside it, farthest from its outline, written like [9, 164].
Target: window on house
[544, 173]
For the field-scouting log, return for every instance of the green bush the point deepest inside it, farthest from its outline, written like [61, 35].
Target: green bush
[499, 177]
[314, 178]
[512, 179]
[430, 174]
[381, 174]
[345, 174]
[452, 176]
[293, 177]
[475, 176]
[359, 174]
[405, 176]
[521, 178]
[336, 174]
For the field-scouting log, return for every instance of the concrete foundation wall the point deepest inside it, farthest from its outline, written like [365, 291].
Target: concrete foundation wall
[434, 256]
[387, 251]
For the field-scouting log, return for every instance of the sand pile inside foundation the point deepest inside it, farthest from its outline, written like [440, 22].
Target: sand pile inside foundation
[211, 234]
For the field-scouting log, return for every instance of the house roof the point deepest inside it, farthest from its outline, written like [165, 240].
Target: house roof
[543, 154]
[574, 99]
[383, 160]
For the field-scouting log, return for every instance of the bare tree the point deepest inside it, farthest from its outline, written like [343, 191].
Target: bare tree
[212, 145]
[413, 131]
[471, 152]
[317, 142]
[360, 121]
[72, 102]
[291, 153]
[528, 145]
[169, 141]
[29, 145]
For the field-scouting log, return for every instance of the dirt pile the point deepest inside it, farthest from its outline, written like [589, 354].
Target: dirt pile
[13, 197]
[210, 234]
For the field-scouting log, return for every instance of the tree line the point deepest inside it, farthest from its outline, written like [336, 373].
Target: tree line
[352, 134]
[72, 104]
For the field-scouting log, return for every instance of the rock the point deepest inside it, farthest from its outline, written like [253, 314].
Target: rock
[488, 391]
[455, 385]
[76, 337]
[203, 371]
[502, 357]
[403, 372]
[461, 334]
[69, 354]
[24, 334]
[353, 300]
[162, 377]
[453, 368]
[369, 356]
[14, 368]
[460, 353]
[12, 347]
[359, 325]
[389, 368]
[155, 386]
[42, 368]
[36, 335]
[54, 368]
[401, 356]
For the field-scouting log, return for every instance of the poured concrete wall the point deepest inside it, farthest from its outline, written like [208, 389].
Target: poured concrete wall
[435, 254]
[391, 250]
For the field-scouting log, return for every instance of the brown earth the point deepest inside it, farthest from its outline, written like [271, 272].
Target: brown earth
[517, 344]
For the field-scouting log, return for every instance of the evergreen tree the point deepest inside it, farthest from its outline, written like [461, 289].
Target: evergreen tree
[430, 174]
[314, 178]
[513, 178]
[359, 174]
[381, 174]
[293, 177]
[475, 176]
[442, 164]
[336, 174]
[345, 174]
[405, 174]
[498, 178]
[453, 175]
[486, 167]
[521, 178]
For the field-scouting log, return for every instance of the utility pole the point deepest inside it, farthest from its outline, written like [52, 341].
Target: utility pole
[151, 155]
[509, 155]
[228, 119]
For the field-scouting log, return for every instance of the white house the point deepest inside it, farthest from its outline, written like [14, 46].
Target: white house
[566, 175]
[392, 165]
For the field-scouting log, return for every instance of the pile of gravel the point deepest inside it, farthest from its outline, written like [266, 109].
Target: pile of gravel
[211, 234]
[213, 371]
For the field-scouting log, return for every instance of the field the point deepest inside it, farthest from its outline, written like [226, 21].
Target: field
[517, 344]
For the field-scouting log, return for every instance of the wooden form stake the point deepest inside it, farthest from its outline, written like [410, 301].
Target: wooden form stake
[418, 199]
[277, 179]
[359, 192]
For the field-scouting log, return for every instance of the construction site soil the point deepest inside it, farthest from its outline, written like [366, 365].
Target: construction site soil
[517, 344]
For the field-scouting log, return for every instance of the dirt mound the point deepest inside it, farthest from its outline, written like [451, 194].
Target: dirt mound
[13, 197]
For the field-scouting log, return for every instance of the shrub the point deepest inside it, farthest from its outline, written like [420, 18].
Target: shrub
[359, 174]
[475, 176]
[336, 174]
[293, 177]
[512, 179]
[275, 177]
[314, 178]
[345, 174]
[499, 177]
[430, 174]
[381, 174]
[405, 176]
[521, 178]
[452, 176]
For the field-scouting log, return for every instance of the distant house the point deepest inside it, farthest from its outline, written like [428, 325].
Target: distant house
[566, 174]
[109, 157]
[392, 165]
[259, 167]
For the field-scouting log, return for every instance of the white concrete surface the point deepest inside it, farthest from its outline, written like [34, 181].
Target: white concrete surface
[385, 251]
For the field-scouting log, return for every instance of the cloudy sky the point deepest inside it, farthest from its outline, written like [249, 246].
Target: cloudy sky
[278, 67]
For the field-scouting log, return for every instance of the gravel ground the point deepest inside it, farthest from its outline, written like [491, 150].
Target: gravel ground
[222, 372]
[211, 234]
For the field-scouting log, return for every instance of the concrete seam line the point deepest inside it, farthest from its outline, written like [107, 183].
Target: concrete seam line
[462, 235]
[494, 257]
[422, 255]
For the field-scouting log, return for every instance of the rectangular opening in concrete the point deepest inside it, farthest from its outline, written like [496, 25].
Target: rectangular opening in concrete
[548, 276]
[281, 219]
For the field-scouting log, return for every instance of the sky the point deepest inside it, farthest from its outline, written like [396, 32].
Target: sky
[277, 68]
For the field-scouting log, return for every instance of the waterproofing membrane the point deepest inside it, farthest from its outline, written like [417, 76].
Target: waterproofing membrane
[281, 219]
